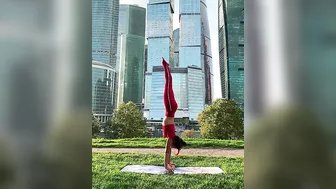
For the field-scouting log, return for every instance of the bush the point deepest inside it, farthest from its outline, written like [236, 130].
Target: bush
[222, 120]
[127, 122]
[189, 134]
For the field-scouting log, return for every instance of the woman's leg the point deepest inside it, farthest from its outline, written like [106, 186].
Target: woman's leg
[168, 94]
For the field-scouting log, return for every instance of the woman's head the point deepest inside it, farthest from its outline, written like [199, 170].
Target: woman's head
[178, 143]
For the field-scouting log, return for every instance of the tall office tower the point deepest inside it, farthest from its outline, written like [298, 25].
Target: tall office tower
[187, 84]
[146, 58]
[176, 39]
[231, 49]
[195, 43]
[145, 70]
[105, 16]
[191, 62]
[160, 44]
[103, 90]
[131, 52]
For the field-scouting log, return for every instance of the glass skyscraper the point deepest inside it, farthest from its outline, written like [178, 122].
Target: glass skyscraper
[231, 49]
[105, 16]
[160, 44]
[131, 52]
[103, 90]
[188, 50]
[176, 39]
[187, 84]
[195, 43]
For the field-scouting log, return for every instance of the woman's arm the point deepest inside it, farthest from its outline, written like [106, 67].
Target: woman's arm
[168, 154]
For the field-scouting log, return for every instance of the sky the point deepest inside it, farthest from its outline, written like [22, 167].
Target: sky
[213, 24]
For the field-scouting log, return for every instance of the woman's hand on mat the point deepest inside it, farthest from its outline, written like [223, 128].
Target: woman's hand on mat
[169, 168]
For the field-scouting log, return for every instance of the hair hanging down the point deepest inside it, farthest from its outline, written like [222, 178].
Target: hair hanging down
[178, 143]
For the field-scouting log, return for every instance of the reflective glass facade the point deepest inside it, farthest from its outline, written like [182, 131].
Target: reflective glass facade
[206, 54]
[131, 51]
[176, 40]
[103, 90]
[196, 87]
[188, 90]
[105, 15]
[148, 88]
[195, 44]
[231, 48]
[188, 50]
[222, 43]
[145, 70]
[180, 78]
[160, 42]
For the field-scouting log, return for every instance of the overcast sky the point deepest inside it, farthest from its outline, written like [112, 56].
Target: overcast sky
[212, 15]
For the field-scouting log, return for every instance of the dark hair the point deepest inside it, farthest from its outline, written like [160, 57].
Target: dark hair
[178, 143]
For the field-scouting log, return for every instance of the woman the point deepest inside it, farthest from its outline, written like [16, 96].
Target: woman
[168, 124]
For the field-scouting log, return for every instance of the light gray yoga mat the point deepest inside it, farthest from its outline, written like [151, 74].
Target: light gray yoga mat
[151, 169]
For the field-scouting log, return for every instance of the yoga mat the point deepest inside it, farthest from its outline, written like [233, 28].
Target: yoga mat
[151, 169]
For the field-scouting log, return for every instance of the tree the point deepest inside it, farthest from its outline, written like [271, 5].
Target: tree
[95, 126]
[127, 122]
[222, 120]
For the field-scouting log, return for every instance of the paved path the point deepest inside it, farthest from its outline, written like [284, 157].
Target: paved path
[190, 151]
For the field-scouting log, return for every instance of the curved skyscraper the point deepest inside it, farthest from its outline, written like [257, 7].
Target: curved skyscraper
[195, 43]
[207, 54]
[103, 90]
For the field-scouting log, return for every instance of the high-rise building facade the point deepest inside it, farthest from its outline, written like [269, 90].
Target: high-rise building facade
[195, 43]
[160, 44]
[144, 78]
[131, 52]
[176, 39]
[103, 90]
[231, 49]
[105, 16]
[187, 84]
[189, 55]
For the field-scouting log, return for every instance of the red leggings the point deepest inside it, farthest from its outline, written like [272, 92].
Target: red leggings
[168, 94]
[168, 131]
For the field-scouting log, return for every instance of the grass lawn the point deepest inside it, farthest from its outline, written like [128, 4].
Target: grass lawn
[106, 172]
[161, 142]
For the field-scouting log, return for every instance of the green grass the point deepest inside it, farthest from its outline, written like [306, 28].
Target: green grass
[106, 172]
[161, 142]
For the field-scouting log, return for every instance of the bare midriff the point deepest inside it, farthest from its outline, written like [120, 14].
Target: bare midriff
[168, 121]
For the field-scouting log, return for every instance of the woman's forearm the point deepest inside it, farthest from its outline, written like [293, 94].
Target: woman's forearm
[168, 151]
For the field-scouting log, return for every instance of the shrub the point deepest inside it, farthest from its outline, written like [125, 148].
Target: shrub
[189, 134]
[222, 120]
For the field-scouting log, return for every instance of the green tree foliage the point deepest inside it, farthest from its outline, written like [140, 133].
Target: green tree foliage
[127, 122]
[222, 120]
[95, 126]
